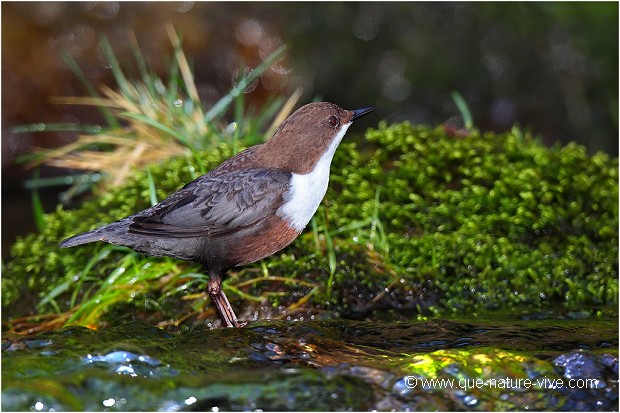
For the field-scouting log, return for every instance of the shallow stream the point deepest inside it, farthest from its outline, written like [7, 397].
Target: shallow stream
[334, 364]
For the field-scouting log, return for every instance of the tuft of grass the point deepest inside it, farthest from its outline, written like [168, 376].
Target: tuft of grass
[149, 119]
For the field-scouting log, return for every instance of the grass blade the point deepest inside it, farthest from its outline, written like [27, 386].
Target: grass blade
[164, 128]
[75, 68]
[61, 180]
[331, 257]
[224, 102]
[57, 127]
[116, 68]
[152, 190]
[181, 60]
[464, 109]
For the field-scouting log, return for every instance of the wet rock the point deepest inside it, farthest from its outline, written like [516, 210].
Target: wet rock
[590, 380]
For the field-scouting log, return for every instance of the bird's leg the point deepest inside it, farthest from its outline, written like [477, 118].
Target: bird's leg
[223, 307]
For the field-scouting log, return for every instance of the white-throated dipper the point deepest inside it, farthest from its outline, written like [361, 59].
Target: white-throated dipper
[251, 206]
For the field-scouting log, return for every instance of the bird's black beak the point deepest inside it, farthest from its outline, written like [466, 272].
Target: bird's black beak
[358, 113]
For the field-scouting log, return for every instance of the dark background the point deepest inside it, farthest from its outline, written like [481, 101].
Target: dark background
[549, 67]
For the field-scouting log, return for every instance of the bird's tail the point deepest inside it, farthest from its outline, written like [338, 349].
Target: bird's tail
[83, 238]
[113, 233]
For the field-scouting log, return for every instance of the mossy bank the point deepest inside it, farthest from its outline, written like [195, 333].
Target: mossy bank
[417, 219]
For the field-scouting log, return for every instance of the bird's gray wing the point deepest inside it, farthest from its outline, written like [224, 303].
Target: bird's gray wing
[215, 205]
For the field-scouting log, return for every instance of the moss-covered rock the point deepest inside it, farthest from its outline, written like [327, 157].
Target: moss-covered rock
[489, 221]
[418, 218]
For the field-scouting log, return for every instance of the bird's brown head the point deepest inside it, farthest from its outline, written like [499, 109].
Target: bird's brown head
[304, 136]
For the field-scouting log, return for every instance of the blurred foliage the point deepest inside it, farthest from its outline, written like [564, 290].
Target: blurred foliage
[550, 66]
[418, 219]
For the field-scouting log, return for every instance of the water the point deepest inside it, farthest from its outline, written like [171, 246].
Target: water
[335, 364]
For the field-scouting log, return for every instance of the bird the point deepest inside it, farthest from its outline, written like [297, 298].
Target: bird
[249, 207]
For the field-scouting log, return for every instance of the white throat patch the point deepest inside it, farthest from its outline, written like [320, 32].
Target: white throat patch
[307, 191]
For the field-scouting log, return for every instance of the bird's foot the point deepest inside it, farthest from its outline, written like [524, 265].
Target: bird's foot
[223, 307]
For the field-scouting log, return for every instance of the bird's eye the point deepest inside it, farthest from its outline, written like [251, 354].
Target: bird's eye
[333, 121]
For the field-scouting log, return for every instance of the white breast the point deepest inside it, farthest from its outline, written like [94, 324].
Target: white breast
[307, 191]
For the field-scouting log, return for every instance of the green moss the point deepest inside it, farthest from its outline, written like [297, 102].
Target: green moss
[490, 221]
[447, 223]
